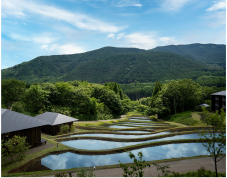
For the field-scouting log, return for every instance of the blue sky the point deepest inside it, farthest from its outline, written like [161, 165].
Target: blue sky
[32, 28]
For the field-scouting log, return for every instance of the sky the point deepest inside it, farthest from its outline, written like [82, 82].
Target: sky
[32, 28]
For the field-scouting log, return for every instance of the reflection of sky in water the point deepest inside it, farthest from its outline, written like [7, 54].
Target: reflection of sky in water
[100, 144]
[140, 119]
[72, 160]
[120, 126]
[133, 131]
[119, 136]
[148, 125]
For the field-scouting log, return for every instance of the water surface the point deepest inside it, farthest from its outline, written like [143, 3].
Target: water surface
[71, 160]
[92, 144]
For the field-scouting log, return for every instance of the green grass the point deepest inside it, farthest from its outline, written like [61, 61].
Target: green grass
[183, 118]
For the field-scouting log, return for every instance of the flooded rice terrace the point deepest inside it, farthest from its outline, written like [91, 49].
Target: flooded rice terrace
[72, 160]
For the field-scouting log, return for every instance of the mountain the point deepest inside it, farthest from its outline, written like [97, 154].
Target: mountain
[142, 67]
[124, 65]
[46, 68]
[202, 53]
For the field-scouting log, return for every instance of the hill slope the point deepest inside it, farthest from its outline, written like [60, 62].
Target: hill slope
[142, 67]
[124, 65]
[203, 53]
[45, 68]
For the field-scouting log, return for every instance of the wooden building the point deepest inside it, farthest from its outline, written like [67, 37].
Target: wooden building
[14, 123]
[55, 120]
[219, 101]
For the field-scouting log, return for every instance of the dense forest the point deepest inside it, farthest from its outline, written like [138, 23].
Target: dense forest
[90, 101]
[210, 54]
[124, 65]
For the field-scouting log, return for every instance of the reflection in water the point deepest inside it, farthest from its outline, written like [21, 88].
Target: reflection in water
[119, 136]
[133, 131]
[71, 160]
[100, 144]
[120, 126]
[140, 119]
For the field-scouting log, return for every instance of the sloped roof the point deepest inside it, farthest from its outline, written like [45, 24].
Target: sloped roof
[55, 118]
[13, 121]
[221, 93]
[206, 105]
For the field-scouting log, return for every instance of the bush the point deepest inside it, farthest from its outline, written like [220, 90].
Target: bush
[18, 107]
[64, 128]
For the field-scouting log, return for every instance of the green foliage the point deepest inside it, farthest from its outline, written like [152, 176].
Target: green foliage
[136, 170]
[35, 98]
[11, 91]
[64, 128]
[201, 172]
[183, 118]
[72, 128]
[109, 98]
[157, 88]
[16, 146]
[162, 168]
[216, 144]
[203, 53]
[63, 174]
[84, 173]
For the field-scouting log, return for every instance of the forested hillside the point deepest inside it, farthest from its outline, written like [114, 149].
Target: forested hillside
[49, 68]
[124, 65]
[205, 53]
[142, 67]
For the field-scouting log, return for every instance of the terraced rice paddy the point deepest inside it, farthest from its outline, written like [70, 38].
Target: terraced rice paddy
[98, 149]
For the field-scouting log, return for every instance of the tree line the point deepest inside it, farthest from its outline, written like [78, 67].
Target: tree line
[79, 99]
[176, 96]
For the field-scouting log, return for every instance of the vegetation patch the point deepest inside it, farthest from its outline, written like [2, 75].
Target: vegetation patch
[183, 118]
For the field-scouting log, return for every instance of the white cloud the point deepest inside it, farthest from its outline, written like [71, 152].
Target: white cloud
[168, 40]
[120, 36]
[43, 38]
[217, 6]
[44, 47]
[19, 7]
[63, 49]
[173, 5]
[111, 36]
[217, 19]
[124, 3]
[140, 40]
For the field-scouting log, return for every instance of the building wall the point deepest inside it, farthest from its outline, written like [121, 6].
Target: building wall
[218, 102]
[33, 135]
[54, 130]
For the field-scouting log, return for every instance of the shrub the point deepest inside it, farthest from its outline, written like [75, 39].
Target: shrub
[136, 168]
[66, 128]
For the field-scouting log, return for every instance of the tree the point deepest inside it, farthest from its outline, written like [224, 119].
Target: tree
[157, 88]
[35, 98]
[217, 136]
[12, 91]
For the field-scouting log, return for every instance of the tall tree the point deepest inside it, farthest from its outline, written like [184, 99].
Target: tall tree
[157, 88]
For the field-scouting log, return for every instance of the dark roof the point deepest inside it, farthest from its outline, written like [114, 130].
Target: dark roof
[221, 93]
[55, 118]
[13, 121]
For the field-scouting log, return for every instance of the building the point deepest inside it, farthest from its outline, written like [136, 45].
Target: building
[14, 123]
[55, 120]
[218, 101]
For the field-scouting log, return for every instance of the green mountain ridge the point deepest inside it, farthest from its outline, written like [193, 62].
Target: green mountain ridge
[124, 65]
